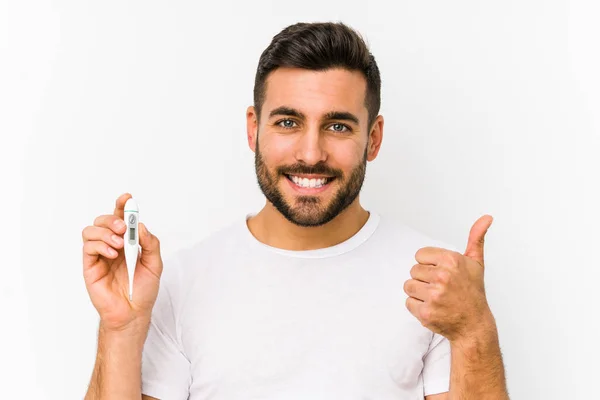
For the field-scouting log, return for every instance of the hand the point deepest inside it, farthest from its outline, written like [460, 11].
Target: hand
[446, 292]
[105, 271]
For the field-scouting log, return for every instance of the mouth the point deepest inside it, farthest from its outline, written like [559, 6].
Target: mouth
[309, 184]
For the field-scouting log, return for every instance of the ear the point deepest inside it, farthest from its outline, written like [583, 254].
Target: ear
[375, 138]
[251, 127]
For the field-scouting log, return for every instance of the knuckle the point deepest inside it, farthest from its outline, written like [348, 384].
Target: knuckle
[87, 247]
[98, 220]
[426, 315]
[451, 259]
[154, 241]
[443, 276]
[108, 238]
[422, 252]
[435, 296]
[418, 253]
[408, 287]
[430, 270]
[408, 305]
[414, 270]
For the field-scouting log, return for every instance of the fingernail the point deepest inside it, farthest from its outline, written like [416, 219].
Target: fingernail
[116, 239]
[119, 223]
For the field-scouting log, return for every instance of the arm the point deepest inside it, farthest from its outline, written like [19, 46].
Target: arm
[124, 324]
[477, 370]
[447, 295]
[117, 372]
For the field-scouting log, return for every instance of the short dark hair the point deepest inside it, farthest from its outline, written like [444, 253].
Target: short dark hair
[320, 46]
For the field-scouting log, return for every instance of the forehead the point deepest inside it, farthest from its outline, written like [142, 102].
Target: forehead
[316, 92]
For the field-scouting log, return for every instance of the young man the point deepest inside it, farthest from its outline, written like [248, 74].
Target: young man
[313, 297]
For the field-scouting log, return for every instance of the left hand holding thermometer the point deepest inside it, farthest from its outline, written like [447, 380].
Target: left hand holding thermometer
[109, 271]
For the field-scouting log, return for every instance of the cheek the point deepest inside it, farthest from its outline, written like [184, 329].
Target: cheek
[277, 149]
[346, 154]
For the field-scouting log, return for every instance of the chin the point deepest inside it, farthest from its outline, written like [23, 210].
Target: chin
[308, 211]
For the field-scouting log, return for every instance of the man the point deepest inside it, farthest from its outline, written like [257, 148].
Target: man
[313, 297]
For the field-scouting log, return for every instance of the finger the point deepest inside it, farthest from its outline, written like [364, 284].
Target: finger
[92, 250]
[96, 233]
[476, 241]
[414, 306]
[430, 255]
[424, 273]
[417, 289]
[112, 222]
[149, 243]
[120, 205]
[150, 250]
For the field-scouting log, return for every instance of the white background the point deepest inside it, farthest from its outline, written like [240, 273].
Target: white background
[490, 107]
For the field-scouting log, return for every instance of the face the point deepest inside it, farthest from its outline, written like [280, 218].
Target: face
[313, 143]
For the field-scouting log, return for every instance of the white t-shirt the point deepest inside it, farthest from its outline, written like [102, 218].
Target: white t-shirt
[237, 319]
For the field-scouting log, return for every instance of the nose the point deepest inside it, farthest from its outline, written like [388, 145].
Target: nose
[311, 149]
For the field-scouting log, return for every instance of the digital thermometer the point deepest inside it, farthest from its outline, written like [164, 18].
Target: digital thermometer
[131, 240]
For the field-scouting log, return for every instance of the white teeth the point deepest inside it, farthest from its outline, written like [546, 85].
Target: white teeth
[309, 183]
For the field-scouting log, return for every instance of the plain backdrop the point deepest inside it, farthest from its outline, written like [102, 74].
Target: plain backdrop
[490, 108]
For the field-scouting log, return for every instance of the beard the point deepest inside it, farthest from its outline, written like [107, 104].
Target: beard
[309, 210]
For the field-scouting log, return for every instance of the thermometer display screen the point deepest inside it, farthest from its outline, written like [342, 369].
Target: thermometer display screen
[131, 233]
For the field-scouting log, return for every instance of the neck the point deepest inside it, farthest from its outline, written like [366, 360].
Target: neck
[270, 227]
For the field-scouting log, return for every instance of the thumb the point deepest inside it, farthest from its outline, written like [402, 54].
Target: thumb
[477, 238]
[150, 245]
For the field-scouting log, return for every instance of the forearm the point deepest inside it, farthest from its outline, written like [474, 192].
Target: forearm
[477, 370]
[117, 372]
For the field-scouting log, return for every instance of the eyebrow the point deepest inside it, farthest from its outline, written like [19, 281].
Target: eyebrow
[292, 112]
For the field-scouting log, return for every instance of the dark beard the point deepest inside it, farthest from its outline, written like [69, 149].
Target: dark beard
[308, 210]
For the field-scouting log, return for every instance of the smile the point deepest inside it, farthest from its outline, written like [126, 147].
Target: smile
[308, 182]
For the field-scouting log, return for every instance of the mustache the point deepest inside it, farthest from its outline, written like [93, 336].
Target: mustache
[319, 169]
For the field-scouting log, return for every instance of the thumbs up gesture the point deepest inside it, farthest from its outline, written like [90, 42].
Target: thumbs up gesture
[446, 292]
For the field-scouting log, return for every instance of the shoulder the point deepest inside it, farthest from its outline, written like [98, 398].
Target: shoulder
[396, 234]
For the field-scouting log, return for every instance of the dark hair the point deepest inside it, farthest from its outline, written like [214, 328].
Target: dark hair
[320, 46]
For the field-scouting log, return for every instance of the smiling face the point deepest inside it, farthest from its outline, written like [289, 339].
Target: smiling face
[313, 143]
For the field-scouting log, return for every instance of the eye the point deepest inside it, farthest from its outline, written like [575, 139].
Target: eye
[340, 128]
[287, 123]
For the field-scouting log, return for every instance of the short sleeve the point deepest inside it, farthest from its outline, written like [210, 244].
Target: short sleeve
[437, 359]
[165, 369]
[436, 366]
